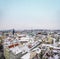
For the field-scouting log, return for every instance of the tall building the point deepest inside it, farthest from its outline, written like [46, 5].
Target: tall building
[13, 31]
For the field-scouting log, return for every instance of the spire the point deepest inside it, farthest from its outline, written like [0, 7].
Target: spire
[13, 31]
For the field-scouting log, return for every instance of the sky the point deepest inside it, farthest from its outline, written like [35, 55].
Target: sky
[29, 14]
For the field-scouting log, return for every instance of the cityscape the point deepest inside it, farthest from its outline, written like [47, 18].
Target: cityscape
[30, 44]
[29, 29]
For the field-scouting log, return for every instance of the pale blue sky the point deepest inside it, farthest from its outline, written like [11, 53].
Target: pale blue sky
[29, 14]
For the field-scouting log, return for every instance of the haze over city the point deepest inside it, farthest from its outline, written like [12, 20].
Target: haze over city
[29, 14]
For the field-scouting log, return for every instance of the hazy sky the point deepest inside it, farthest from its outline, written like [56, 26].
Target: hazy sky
[29, 14]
